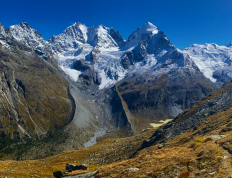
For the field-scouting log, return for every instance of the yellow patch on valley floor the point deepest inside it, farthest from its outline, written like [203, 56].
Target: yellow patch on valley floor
[161, 122]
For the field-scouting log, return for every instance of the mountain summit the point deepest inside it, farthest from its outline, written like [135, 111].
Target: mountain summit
[149, 34]
[27, 35]
[78, 34]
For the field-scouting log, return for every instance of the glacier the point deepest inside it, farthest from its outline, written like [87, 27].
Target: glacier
[107, 54]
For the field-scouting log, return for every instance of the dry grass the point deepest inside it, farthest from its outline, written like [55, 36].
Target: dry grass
[176, 158]
[169, 162]
[103, 153]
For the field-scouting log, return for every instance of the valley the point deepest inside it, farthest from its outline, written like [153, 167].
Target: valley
[126, 108]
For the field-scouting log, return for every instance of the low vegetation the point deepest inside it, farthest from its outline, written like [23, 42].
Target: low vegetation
[201, 151]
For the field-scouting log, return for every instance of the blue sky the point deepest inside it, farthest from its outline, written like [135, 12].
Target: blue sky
[184, 22]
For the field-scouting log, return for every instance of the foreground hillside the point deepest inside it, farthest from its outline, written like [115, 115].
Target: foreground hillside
[197, 143]
[103, 153]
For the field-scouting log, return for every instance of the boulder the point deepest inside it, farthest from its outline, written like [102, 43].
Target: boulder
[71, 167]
[133, 170]
[58, 174]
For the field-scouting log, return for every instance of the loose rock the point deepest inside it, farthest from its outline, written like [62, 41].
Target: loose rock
[133, 170]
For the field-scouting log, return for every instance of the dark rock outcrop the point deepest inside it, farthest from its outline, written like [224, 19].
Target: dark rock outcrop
[117, 37]
[71, 167]
[94, 53]
[90, 78]
[81, 65]
[127, 60]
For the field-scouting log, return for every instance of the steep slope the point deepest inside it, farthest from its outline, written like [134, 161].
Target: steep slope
[150, 99]
[213, 60]
[27, 35]
[34, 96]
[4, 36]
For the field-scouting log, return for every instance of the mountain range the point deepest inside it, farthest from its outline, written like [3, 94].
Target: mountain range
[89, 87]
[98, 80]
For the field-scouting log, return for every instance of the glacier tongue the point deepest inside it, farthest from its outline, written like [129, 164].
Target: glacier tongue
[108, 65]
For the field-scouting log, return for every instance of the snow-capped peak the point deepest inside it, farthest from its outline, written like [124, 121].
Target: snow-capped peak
[27, 35]
[77, 31]
[148, 33]
[70, 38]
[78, 34]
[99, 35]
[149, 27]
